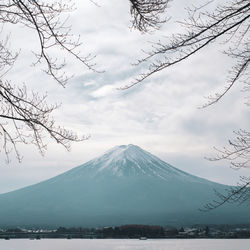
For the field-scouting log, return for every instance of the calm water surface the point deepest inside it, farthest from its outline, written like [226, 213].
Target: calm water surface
[107, 244]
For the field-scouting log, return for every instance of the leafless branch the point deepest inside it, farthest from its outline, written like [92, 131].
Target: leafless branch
[147, 14]
[25, 116]
[228, 22]
[228, 25]
[27, 119]
[237, 153]
[238, 194]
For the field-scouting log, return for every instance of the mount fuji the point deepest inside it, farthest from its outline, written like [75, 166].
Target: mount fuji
[127, 185]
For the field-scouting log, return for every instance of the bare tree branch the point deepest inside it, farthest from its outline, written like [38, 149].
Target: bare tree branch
[146, 14]
[26, 119]
[25, 116]
[45, 20]
[238, 194]
[228, 25]
[228, 22]
[237, 153]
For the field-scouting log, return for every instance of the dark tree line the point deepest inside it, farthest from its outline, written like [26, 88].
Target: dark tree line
[125, 231]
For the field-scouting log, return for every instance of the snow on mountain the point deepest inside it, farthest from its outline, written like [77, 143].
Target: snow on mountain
[131, 160]
[126, 185]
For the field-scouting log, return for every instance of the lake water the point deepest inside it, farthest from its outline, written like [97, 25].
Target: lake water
[114, 244]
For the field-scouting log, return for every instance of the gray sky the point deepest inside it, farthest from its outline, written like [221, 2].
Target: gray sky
[161, 115]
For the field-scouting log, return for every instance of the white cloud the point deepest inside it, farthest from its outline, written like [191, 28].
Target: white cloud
[103, 91]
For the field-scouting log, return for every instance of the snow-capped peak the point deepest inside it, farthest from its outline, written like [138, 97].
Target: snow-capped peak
[130, 160]
[123, 152]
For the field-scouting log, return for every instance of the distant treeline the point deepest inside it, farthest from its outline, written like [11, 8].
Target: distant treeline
[126, 231]
[132, 231]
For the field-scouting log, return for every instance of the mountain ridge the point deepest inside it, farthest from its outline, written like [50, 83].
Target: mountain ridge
[116, 158]
[126, 185]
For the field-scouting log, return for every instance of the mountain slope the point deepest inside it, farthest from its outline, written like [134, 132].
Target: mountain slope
[125, 185]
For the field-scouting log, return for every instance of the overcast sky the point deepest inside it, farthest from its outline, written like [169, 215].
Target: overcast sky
[161, 115]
